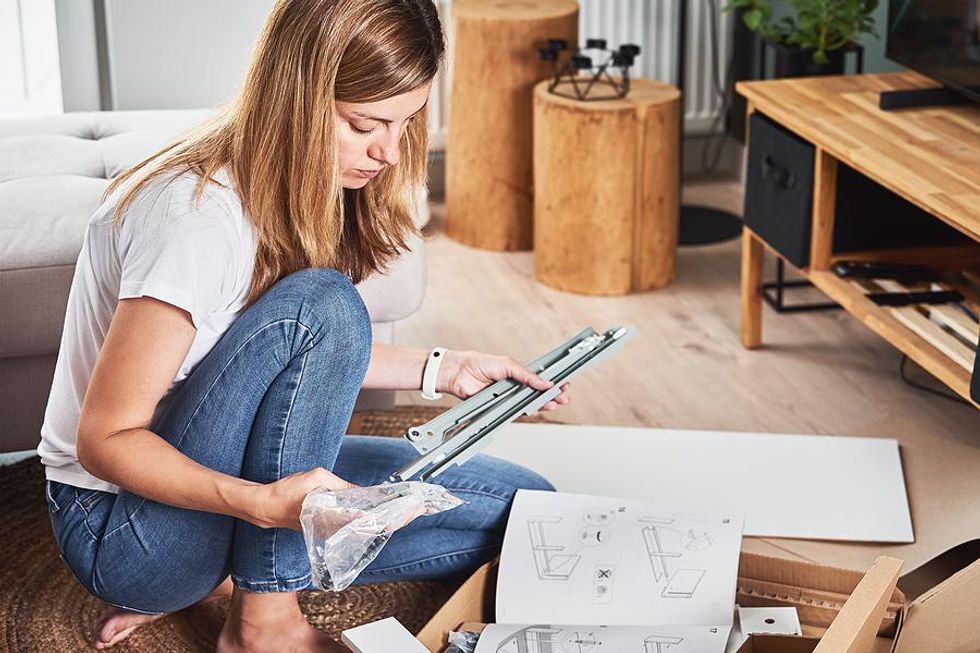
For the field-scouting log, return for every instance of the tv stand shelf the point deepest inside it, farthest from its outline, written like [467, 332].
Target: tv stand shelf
[928, 156]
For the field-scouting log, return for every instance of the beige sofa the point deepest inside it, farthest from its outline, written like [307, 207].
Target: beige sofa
[53, 171]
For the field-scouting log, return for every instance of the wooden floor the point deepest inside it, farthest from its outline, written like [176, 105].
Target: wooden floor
[820, 373]
[817, 373]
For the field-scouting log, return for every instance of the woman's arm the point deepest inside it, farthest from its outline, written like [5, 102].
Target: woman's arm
[395, 368]
[146, 343]
[462, 373]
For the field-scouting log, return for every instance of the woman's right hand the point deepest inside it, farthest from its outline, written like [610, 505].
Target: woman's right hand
[278, 504]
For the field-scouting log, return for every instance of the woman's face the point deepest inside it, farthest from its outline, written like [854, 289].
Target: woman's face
[369, 134]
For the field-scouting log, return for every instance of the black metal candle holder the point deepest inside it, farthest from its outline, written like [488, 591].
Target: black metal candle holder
[589, 68]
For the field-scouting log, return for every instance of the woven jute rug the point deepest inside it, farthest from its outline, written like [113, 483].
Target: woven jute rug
[44, 609]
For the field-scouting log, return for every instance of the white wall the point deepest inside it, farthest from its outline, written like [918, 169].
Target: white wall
[163, 54]
[155, 54]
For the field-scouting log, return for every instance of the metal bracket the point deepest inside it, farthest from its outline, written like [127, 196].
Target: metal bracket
[456, 435]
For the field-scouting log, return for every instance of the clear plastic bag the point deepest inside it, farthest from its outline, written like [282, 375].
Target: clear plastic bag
[462, 641]
[346, 529]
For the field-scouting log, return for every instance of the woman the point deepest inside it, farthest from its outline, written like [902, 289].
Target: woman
[214, 343]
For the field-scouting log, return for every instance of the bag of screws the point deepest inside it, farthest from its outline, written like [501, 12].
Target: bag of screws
[346, 529]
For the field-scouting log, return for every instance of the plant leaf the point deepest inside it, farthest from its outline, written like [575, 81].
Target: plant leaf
[753, 19]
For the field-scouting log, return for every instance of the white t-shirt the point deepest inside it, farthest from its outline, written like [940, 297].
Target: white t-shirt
[196, 255]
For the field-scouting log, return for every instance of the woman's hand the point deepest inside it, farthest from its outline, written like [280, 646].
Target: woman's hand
[464, 373]
[278, 504]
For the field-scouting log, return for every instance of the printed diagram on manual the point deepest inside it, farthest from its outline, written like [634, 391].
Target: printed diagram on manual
[501, 638]
[580, 559]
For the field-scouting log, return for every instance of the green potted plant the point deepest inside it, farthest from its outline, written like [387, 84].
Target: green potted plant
[814, 40]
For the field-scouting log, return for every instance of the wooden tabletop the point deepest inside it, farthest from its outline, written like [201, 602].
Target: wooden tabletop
[930, 156]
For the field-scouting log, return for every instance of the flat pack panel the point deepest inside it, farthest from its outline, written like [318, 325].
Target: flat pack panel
[797, 486]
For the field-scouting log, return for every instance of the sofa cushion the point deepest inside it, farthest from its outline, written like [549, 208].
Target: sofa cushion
[44, 219]
[53, 171]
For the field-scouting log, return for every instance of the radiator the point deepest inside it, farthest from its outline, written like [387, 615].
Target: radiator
[651, 24]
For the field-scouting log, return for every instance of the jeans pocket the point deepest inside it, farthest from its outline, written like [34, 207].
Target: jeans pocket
[88, 499]
[57, 495]
[95, 510]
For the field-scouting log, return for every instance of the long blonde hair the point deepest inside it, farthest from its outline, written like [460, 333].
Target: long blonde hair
[277, 138]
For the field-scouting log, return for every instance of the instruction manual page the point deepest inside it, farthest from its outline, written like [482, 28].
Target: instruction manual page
[501, 638]
[582, 559]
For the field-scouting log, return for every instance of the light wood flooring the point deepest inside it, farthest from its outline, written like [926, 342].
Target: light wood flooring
[819, 373]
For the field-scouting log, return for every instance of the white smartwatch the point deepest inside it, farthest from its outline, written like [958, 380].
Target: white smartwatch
[431, 373]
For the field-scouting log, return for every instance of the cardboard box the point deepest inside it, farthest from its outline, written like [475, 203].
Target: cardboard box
[942, 620]
[841, 610]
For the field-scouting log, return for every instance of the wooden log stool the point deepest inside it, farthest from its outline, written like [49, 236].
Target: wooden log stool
[606, 190]
[488, 154]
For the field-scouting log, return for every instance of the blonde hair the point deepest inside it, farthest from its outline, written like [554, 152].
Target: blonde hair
[277, 138]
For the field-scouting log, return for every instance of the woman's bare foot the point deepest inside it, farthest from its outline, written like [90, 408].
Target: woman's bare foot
[119, 624]
[271, 621]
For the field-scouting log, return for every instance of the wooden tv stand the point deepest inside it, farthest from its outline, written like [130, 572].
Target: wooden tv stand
[930, 157]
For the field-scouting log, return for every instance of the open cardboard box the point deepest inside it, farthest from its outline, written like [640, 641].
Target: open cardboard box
[842, 611]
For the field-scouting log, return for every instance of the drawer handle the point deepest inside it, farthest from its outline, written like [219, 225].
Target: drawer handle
[783, 177]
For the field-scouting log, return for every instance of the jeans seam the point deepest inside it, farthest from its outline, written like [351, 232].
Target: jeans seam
[282, 447]
[130, 608]
[430, 559]
[95, 538]
[482, 493]
[127, 521]
[85, 512]
[88, 495]
[50, 498]
[305, 578]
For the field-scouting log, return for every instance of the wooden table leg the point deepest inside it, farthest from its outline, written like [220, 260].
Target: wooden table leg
[752, 260]
[824, 203]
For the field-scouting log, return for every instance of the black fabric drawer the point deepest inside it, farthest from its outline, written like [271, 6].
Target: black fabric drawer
[867, 216]
[779, 189]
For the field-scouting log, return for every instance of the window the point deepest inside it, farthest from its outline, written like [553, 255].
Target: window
[30, 79]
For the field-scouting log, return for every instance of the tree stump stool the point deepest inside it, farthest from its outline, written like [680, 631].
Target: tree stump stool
[606, 199]
[488, 155]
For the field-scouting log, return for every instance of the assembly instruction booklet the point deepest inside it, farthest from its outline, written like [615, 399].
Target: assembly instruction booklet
[640, 577]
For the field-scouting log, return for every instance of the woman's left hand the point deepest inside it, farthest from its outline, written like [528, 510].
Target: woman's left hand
[464, 373]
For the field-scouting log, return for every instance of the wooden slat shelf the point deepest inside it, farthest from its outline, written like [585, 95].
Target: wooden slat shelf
[882, 322]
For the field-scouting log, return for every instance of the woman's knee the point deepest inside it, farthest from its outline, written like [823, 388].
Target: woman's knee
[532, 480]
[495, 482]
[518, 477]
[489, 499]
[323, 288]
[327, 302]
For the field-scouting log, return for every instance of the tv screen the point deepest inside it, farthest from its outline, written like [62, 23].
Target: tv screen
[938, 38]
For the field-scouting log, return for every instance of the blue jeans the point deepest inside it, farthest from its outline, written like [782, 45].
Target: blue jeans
[273, 397]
